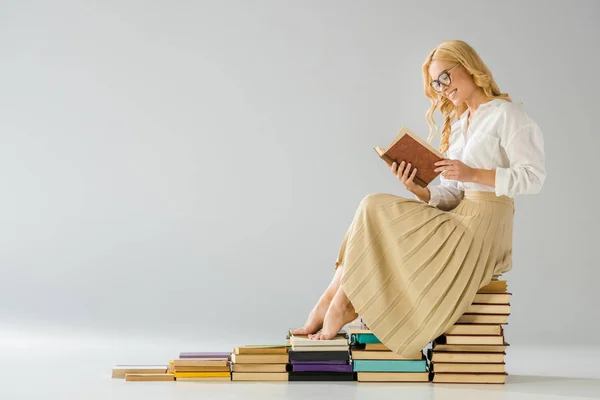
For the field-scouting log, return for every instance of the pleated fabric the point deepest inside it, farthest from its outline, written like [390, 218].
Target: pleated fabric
[411, 270]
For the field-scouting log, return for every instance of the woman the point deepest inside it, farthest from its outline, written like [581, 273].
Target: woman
[410, 267]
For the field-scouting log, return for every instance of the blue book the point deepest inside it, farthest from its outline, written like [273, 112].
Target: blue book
[390, 365]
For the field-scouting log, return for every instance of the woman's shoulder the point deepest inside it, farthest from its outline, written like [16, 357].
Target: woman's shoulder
[513, 113]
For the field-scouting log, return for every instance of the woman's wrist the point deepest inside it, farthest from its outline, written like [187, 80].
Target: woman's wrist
[422, 193]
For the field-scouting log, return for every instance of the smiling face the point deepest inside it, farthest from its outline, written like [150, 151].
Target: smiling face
[461, 84]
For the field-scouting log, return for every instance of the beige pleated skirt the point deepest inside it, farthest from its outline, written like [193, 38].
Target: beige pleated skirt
[411, 270]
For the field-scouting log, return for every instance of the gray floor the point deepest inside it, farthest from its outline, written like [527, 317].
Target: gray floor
[79, 367]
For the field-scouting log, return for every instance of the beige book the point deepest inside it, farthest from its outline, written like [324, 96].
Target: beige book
[377, 346]
[222, 368]
[259, 376]
[473, 329]
[320, 348]
[260, 358]
[483, 319]
[359, 330]
[472, 339]
[494, 287]
[119, 371]
[201, 374]
[492, 298]
[260, 350]
[392, 376]
[208, 379]
[149, 377]
[303, 340]
[469, 367]
[200, 362]
[382, 355]
[469, 378]
[489, 309]
[450, 357]
[259, 367]
[469, 348]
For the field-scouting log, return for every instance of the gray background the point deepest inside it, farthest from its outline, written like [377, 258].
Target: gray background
[189, 169]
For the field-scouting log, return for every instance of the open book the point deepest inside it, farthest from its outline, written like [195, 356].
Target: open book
[412, 149]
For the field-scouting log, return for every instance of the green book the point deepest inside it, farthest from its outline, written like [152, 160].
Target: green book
[364, 338]
[390, 365]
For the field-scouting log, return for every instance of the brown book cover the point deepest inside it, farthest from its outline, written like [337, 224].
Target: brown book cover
[410, 148]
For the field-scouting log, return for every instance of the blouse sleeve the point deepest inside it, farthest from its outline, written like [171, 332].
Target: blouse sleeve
[447, 195]
[522, 140]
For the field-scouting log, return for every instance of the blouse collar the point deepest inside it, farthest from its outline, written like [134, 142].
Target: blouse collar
[482, 106]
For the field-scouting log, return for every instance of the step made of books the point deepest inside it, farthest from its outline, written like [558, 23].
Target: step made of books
[320, 360]
[373, 362]
[260, 363]
[473, 350]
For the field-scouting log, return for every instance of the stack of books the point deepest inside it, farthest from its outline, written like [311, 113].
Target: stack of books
[260, 363]
[320, 360]
[473, 350]
[201, 366]
[374, 362]
[142, 373]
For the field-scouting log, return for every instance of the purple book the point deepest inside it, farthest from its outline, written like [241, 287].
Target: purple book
[326, 362]
[321, 368]
[204, 354]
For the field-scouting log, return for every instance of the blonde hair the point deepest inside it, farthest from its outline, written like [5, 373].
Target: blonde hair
[456, 51]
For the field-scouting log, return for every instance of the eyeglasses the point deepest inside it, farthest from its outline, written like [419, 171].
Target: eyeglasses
[443, 79]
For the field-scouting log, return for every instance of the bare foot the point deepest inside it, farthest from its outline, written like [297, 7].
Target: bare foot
[340, 313]
[317, 315]
[314, 321]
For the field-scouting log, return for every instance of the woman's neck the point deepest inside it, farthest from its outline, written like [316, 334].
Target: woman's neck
[477, 99]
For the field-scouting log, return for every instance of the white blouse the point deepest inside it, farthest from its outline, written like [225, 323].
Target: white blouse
[502, 137]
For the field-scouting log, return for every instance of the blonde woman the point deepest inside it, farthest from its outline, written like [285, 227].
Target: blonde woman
[410, 267]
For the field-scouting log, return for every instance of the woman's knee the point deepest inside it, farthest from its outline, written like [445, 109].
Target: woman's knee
[373, 199]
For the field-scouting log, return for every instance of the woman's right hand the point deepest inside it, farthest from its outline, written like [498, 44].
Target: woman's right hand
[402, 172]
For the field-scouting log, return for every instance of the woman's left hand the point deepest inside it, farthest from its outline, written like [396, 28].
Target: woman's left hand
[455, 170]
